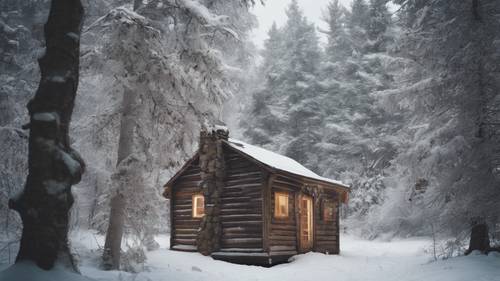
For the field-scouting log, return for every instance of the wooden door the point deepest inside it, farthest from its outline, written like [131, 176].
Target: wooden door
[306, 223]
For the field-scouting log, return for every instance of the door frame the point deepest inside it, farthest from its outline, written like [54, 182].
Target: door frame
[305, 247]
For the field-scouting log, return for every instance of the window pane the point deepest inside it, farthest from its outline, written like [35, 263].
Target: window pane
[198, 206]
[281, 205]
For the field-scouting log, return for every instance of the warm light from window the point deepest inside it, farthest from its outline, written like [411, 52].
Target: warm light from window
[280, 205]
[198, 206]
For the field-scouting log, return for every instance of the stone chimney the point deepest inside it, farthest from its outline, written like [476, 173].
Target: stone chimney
[212, 170]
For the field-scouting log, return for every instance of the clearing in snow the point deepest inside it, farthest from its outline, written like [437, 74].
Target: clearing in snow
[397, 260]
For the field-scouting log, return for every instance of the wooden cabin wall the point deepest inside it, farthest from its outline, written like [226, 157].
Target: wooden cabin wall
[185, 227]
[326, 232]
[241, 208]
[283, 231]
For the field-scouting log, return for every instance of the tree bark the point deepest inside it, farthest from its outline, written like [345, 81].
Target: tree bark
[112, 245]
[479, 238]
[53, 165]
[121, 182]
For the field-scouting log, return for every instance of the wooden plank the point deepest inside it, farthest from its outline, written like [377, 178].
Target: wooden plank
[283, 243]
[185, 241]
[288, 226]
[276, 232]
[283, 248]
[242, 250]
[283, 237]
[241, 223]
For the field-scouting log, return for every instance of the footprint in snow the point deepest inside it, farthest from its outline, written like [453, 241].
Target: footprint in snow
[195, 268]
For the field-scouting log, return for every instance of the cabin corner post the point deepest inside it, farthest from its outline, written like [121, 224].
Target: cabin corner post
[267, 216]
[212, 171]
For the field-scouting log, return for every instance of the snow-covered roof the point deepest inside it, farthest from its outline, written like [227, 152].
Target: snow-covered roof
[278, 161]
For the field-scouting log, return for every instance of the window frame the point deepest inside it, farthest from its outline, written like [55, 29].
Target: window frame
[277, 212]
[327, 204]
[194, 207]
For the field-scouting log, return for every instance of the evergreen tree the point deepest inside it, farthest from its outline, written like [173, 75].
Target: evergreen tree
[285, 109]
[447, 165]
[339, 45]
[359, 14]
[379, 21]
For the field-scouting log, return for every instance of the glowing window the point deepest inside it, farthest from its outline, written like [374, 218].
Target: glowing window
[280, 205]
[198, 206]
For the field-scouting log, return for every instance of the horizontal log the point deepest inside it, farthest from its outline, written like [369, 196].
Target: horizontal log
[242, 235]
[282, 248]
[255, 193]
[241, 223]
[326, 245]
[283, 221]
[289, 179]
[243, 217]
[283, 253]
[235, 199]
[185, 241]
[184, 225]
[185, 231]
[179, 206]
[287, 188]
[190, 219]
[242, 242]
[242, 181]
[290, 227]
[248, 204]
[244, 173]
[185, 236]
[188, 186]
[283, 242]
[238, 211]
[326, 238]
[184, 202]
[283, 237]
[241, 229]
[279, 232]
[183, 195]
[242, 250]
[184, 217]
[325, 233]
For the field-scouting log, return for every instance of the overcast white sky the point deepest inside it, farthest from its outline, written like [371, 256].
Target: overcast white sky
[274, 10]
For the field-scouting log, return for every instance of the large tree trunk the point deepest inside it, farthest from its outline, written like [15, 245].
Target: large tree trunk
[112, 245]
[479, 238]
[121, 180]
[53, 165]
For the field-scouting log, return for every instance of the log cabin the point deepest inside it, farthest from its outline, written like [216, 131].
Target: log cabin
[240, 203]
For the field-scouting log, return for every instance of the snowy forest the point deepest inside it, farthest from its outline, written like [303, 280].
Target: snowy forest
[103, 101]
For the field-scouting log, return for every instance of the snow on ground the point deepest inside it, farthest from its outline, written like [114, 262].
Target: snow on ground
[397, 260]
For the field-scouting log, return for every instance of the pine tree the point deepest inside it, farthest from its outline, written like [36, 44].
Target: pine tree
[285, 108]
[379, 21]
[451, 137]
[339, 46]
[359, 14]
